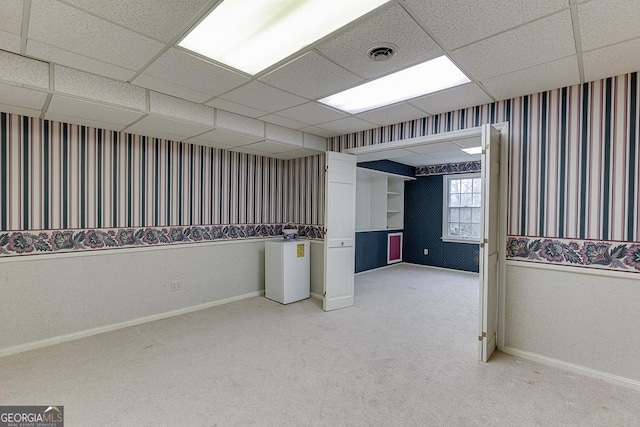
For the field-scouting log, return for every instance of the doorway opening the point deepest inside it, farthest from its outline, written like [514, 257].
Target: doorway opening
[493, 141]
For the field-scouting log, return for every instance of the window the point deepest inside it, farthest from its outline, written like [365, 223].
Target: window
[461, 208]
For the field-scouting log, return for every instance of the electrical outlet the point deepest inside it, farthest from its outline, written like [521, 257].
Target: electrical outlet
[426, 251]
[176, 286]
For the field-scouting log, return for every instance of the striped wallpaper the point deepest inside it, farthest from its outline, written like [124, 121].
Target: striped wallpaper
[574, 157]
[305, 190]
[574, 171]
[57, 176]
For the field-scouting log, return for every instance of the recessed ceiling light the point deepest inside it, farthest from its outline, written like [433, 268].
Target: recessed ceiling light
[251, 36]
[473, 150]
[431, 76]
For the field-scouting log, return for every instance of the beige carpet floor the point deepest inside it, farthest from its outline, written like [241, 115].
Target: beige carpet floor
[404, 355]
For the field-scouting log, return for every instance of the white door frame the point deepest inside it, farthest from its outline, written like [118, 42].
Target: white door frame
[503, 128]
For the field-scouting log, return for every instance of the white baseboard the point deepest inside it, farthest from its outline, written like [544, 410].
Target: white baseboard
[433, 267]
[544, 360]
[378, 268]
[95, 331]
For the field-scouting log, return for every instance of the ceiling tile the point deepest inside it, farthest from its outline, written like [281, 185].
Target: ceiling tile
[314, 142]
[311, 76]
[424, 160]
[180, 68]
[325, 133]
[283, 121]
[541, 41]
[160, 19]
[452, 99]
[24, 71]
[418, 160]
[163, 127]
[11, 16]
[473, 141]
[459, 22]
[311, 113]
[240, 124]
[85, 85]
[181, 109]
[71, 29]
[269, 147]
[456, 157]
[70, 59]
[287, 155]
[539, 78]
[263, 97]
[10, 42]
[246, 150]
[370, 157]
[346, 125]
[283, 134]
[29, 112]
[435, 149]
[393, 154]
[295, 154]
[61, 118]
[89, 113]
[612, 60]
[391, 25]
[607, 22]
[233, 107]
[22, 97]
[222, 138]
[169, 88]
[199, 142]
[392, 114]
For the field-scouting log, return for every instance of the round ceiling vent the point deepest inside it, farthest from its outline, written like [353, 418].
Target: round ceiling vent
[381, 52]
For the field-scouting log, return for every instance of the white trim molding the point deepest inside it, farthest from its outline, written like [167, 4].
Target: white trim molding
[108, 328]
[548, 361]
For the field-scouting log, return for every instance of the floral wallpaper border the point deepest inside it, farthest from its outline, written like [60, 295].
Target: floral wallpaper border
[59, 241]
[449, 168]
[607, 255]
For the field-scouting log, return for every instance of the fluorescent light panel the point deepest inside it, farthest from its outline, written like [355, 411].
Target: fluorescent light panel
[431, 76]
[253, 35]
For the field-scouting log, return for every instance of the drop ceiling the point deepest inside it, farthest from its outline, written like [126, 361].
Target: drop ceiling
[430, 152]
[117, 65]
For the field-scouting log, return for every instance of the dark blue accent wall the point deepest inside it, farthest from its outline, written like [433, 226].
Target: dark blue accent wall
[371, 246]
[390, 167]
[371, 250]
[423, 229]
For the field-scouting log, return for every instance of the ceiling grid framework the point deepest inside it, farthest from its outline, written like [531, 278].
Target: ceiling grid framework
[118, 66]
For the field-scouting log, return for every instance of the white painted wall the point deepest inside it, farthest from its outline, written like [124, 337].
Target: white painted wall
[53, 298]
[575, 317]
[46, 297]
[317, 268]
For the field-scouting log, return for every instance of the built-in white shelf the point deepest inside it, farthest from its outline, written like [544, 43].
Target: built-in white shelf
[379, 200]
